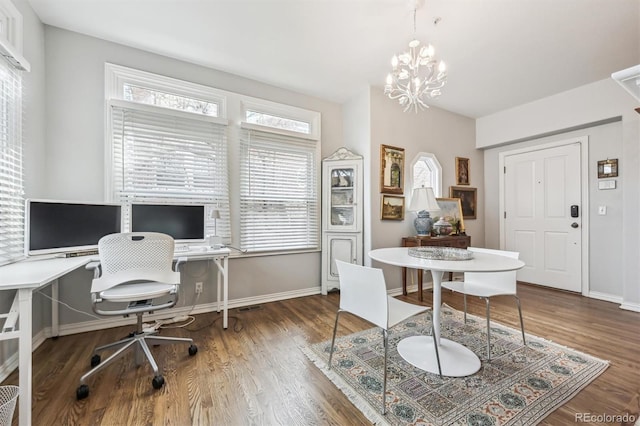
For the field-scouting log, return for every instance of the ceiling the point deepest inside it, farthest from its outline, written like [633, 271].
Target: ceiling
[499, 53]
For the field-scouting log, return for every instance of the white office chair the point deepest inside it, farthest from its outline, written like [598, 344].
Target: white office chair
[363, 293]
[487, 285]
[135, 268]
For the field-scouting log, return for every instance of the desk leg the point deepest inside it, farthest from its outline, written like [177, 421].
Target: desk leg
[223, 269]
[225, 292]
[25, 348]
[219, 283]
[54, 309]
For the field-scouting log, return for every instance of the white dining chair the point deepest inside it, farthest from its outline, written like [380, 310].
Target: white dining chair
[487, 285]
[363, 292]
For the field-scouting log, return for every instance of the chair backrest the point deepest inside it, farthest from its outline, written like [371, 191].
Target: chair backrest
[363, 292]
[504, 281]
[135, 256]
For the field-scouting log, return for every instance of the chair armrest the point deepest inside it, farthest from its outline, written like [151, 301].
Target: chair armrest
[95, 266]
[178, 262]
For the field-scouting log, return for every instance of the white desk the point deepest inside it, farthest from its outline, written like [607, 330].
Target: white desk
[455, 359]
[29, 275]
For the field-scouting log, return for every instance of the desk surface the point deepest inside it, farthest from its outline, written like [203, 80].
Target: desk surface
[34, 272]
[481, 262]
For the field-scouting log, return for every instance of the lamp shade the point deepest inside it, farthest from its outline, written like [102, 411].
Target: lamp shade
[215, 214]
[423, 198]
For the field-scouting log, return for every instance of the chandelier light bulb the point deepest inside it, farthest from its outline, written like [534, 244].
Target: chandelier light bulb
[394, 62]
[442, 67]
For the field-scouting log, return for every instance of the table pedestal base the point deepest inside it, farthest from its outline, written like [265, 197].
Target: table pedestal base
[455, 359]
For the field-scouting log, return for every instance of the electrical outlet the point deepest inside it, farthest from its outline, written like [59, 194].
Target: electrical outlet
[199, 287]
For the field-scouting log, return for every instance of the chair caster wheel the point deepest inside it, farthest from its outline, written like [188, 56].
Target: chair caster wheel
[82, 392]
[157, 382]
[95, 360]
[193, 349]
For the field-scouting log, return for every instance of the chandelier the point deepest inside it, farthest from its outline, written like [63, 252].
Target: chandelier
[416, 74]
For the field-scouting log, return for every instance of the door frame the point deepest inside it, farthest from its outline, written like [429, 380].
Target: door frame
[583, 141]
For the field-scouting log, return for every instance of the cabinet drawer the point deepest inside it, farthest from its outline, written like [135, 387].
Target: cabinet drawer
[454, 241]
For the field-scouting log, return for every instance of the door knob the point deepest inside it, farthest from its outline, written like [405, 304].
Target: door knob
[574, 225]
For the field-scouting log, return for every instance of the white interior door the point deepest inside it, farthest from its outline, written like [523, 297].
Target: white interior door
[541, 186]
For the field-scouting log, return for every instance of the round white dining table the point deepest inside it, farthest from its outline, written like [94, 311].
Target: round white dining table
[455, 359]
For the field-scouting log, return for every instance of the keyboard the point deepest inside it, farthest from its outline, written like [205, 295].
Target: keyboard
[181, 249]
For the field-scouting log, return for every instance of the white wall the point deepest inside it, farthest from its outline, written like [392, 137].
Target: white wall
[357, 137]
[443, 133]
[614, 238]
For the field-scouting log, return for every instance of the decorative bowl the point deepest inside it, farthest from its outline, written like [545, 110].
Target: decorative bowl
[441, 253]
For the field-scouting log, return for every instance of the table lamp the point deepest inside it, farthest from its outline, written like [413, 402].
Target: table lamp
[214, 240]
[423, 201]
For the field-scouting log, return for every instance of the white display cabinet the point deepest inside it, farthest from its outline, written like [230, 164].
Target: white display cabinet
[341, 214]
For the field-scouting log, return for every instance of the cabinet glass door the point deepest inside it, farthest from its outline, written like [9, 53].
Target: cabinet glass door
[342, 197]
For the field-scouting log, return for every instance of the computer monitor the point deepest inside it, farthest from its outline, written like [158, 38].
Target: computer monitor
[185, 223]
[68, 226]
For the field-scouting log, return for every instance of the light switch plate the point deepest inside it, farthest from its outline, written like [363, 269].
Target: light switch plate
[607, 184]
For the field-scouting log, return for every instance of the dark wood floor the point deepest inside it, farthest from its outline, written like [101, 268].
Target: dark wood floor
[254, 373]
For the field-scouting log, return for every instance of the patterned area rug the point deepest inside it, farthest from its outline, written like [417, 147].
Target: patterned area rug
[520, 385]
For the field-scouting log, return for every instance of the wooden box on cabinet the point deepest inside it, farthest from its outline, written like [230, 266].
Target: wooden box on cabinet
[457, 241]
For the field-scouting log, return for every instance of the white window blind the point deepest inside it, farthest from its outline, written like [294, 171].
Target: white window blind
[279, 206]
[170, 157]
[11, 171]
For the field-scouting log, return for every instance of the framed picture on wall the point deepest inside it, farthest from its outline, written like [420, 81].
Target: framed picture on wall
[451, 211]
[607, 168]
[391, 169]
[468, 200]
[462, 171]
[392, 207]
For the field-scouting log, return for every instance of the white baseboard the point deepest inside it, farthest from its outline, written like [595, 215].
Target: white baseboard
[8, 366]
[604, 296]
[635, 307]
[11, 363]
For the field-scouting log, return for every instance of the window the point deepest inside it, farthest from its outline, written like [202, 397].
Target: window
[168, 148]
[11, 144]
[170, 141]
[426, 171]
[279, 178]
[279, 200]
[11, 178]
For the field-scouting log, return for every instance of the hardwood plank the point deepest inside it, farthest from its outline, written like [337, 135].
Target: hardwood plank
[256, 373]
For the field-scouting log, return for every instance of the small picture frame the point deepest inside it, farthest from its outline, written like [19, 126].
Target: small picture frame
[462, 171]
[391, 169]
[392, 207]
[468, 200]
[451, 211]
[607, 168]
